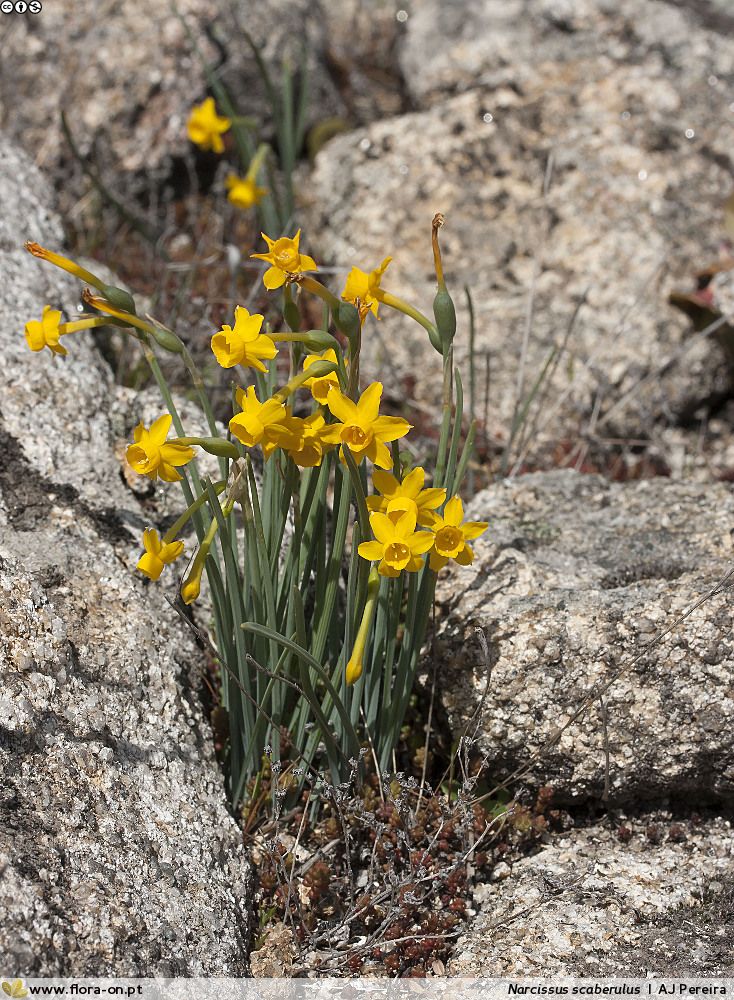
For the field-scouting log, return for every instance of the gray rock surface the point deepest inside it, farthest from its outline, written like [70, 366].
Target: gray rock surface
[620, 897]
[574, 576]
[126, 73]
[117, 851]
[580, 152]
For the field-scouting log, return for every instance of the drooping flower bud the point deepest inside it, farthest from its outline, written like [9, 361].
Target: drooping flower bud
[318, 341]
[167, 340]
[443, 305]
[346, 318]
[119, 298]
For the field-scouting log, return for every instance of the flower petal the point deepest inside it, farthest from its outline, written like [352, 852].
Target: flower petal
[413, 483]
[171, 551]
[371, 550]
[221, 348]
[159, 429]
[274, 278]
[420, 542]
[342, 407]
[151, 541]
[176, 454]
[473, 529]
[150, 565]
[168, 474]
[453, 512]
[331, 434]
[437, 562]
[369, 403]
[415, 564]
[385, 482]
[382, 527]
[405, 524]
[390, 428]
[385, 569]
[307, 263]
[379, 454]
[466, 556]
[431, 498]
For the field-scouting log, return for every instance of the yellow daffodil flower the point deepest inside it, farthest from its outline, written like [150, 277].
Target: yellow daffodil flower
[397, 497]
[397, 545]
[45, 332]
[243, 344]
[285, 259]
[205, 127]
[259, 423]
[361, 427]
[157, 554]
[320, 386]
[451, 535]
[244, 192]
[152, 456]
[361, 288]
[355, 663]
[191, 585]
[306, 446]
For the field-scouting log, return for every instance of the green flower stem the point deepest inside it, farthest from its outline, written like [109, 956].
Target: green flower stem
[257, 161]
[178, 524]
[165, 392]
[359, 493]
[355, 348]
[448, 394]
[215, 446]
[404, 307]
[317, 370]
[83, 324]
[316, 288]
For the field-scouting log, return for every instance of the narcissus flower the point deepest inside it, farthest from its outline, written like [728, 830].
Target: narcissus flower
[320, 386]
[361, 288]
[397, 497]
[361, 427]
[451, 535]
[205, 127]
[285, 259]
[355, 663]
[243, 344]
[305, 444]
[244, 192]
[45, 332]
[259, 423]
[157, 554]
[191, 584]
[70, 266]
[397, 545]
[153, 456]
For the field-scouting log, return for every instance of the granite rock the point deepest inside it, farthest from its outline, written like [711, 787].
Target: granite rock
[131, 73]
[118, 854]
[620, 897]
[573, 579]
[580, 154]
